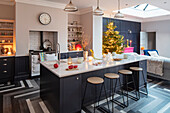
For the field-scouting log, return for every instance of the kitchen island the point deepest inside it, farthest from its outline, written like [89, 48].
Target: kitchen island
[62, 91]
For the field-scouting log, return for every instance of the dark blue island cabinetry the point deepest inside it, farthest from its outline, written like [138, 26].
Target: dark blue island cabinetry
[64, 94]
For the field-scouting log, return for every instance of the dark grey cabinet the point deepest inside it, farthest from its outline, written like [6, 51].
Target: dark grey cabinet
[6, 69]
[63, 94]
[22, 67]
[71, 89]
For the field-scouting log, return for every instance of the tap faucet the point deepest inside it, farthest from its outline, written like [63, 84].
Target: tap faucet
[58, 52]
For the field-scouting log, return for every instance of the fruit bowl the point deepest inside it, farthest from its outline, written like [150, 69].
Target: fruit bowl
[117, 59]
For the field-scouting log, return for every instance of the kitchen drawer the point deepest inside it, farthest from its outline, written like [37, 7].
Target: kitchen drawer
[6, 60]
[6, 68]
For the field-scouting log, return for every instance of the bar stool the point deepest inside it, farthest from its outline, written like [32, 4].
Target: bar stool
[127, 73]
[114, 76]
[95, 81]
[137, 70]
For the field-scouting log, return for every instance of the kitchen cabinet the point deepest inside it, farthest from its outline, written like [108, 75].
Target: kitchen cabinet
[6, 69]
[71, 89]
[63, 94]
[22, 67]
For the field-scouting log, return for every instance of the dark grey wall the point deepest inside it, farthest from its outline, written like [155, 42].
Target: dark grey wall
[123, 27]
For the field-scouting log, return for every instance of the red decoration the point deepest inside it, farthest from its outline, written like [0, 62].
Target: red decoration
[55, 65]
[71, 67]
[75, 66]
[78, 47]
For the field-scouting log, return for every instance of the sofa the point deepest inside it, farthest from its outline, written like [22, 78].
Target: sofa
[165, 65]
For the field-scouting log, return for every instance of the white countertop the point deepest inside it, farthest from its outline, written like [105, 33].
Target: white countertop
[4, 56]
[86, 66]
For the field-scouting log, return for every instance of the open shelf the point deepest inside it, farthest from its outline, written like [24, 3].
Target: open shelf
[74, 42]
[74, 25]
[6, 43]
[5, 36]
[6, 29]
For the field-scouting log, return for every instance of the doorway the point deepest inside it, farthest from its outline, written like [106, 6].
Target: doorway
[147, 40]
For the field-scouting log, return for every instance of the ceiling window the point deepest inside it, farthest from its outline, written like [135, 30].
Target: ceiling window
[145, 11]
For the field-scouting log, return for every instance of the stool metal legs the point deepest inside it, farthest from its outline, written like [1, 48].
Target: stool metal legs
[128, 95]
[135, 87]
[95, 94]
[126, 82]
[103, 85]
[84, 94]
[145, 84]
[113, 93]
[95, 98]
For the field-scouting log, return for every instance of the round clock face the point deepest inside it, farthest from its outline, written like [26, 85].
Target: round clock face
[45, 18]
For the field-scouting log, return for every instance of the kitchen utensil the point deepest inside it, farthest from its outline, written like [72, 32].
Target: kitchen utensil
[47, 44]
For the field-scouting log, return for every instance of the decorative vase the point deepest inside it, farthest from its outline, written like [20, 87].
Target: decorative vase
[125, 56]
[113, 53]
[85, 55]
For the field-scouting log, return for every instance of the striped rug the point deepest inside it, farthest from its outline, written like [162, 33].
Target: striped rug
[23, 97]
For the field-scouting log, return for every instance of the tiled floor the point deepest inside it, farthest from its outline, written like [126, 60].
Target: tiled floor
[23, 97]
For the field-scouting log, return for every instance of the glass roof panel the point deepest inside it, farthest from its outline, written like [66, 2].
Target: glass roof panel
[145, 11]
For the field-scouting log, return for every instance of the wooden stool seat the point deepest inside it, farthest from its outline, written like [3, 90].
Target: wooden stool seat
[111, 75]
[95, 80]
[125, 72]
[136, 68]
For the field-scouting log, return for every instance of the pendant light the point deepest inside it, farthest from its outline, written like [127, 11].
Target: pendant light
[98, 11]
[70, 7]
[119, 14]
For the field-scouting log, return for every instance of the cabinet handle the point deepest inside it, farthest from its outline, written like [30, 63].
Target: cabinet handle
[4, 64]
[77, 78]
[4, 59]
[5, 71]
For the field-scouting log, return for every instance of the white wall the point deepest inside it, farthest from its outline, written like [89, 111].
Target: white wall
[73, 17]
[143, 41]
[7, 12]
[97, 36]
[162, 29]
[87, 23]
[27, 19]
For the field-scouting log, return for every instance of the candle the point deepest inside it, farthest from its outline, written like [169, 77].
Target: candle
[130, 43]
[69, 61]
[80, 60]
[90, 58]
[127, 42]
[104, 55]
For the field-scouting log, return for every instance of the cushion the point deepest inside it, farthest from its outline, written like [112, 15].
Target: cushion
[153, 53]
[50, 57]
[146, 51]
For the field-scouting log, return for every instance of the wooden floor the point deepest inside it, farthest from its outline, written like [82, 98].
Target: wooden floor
[23, 97]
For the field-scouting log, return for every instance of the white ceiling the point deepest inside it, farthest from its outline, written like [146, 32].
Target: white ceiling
[110, 5]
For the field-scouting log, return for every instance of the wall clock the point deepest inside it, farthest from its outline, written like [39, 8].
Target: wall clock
[44, 18]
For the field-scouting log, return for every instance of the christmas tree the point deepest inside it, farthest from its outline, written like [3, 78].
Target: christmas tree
[112, 41]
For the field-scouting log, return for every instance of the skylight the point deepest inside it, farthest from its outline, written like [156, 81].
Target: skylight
[145, 11]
